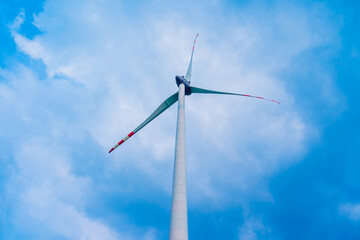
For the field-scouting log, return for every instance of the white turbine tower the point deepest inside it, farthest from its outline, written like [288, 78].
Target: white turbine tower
[178, 220]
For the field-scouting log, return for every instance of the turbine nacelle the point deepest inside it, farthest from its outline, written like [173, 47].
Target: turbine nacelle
[182, 80]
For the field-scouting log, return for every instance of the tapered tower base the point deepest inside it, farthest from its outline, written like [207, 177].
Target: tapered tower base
[178, 221]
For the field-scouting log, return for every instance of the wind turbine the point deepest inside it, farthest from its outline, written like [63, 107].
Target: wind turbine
[178, 220]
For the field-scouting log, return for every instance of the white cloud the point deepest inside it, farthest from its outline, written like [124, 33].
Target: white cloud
[47, 194]
[350, 210]
[108, 69]
[253, 229]
[44, 188]
[63, 219]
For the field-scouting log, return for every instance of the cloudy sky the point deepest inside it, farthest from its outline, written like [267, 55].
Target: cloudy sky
[77, 76]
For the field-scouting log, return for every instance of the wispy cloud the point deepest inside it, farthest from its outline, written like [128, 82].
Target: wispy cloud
[350, 210]
[253, 229]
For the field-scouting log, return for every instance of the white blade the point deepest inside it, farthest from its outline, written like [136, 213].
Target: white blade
[201, 90]
[165, 105]
[188, 73]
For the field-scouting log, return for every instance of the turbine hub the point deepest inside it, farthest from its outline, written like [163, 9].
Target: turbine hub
[182, 80]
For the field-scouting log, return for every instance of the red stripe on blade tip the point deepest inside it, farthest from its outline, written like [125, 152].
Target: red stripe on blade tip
[111, 150]
[195, 41]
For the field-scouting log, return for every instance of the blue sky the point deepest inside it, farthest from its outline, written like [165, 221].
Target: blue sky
[77, 76]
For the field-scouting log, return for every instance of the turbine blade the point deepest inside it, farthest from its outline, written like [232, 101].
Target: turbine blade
[165, 105]
[188, 73]
[201, 90]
